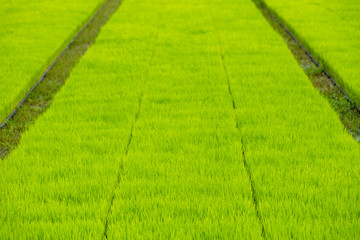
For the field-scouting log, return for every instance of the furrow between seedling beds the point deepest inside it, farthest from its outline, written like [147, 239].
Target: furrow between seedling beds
[347, 110]
[330, 30]
[49, 68]
[265, 8]
[34, 33]
[40, 96]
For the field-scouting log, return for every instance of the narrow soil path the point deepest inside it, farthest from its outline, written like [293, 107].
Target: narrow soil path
[39, 98]
[321, 80]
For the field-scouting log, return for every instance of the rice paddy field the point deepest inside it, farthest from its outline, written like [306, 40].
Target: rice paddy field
[185, 120]
[331, 30]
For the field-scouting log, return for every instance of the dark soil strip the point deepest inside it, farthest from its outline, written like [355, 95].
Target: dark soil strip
[347, 110]
[255, 201]
[39, 97]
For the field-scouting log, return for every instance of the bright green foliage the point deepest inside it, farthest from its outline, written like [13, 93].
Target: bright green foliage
[305, 167]
[183, 175]
[331, 29]
[31, 34]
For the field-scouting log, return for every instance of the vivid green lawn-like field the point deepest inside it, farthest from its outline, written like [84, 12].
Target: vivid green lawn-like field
[32, 33]
[330, 29]
[158, 77]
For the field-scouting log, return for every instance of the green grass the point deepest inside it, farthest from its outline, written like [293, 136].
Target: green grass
[32, 33]
[183, 174]
[330, 29]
